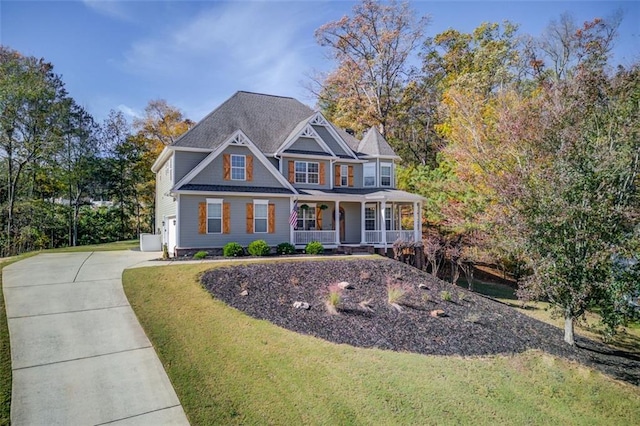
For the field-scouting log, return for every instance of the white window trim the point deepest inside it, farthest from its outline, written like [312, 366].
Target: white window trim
[244, 169]
[368, 207]
[364, 175]
[215, 201]
[390, 166]
[255, 217]
[302, 217]
[306, 173]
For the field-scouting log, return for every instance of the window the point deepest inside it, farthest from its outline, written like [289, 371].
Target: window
[214, 216]
[306, 217]
[370, 217]
[307, 172]
[388, 219]
[344, 175]
[168, 169]
[369, 172]
[238, 167]
[385, 174]
[260, 215]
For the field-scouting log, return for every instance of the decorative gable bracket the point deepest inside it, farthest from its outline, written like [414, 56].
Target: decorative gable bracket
[239, 139]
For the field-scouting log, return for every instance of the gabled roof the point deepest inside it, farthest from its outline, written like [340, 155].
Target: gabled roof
[374, 144]
[267, 120]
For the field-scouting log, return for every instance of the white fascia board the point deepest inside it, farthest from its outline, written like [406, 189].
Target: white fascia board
[190, 149]
[308, 156]
[349, 160]
[335, 134]
[240, 139]
[166, 153]
[223, 194]
[382, 157]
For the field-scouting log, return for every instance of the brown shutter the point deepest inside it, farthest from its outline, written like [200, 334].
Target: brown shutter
[337, 180]
[318, 218]
[249, 167]
[322, 173]
[226, 167]
[226, 218]
[202, 218]
[292, 175]
[272, 219]
[350, 175]
[249, 218]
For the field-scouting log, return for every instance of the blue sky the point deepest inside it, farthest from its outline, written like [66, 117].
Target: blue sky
[121, 54]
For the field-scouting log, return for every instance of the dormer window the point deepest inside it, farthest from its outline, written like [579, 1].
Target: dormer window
[238, 167]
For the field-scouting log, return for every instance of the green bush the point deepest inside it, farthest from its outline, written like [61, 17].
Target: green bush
[200, 255]
[232, 250]
[445, 295]
[314, 247]
[286, 248]
[259, 248]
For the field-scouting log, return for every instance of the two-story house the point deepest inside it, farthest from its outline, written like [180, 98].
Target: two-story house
[269, 167]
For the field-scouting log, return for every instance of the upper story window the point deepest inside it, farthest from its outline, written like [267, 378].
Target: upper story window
[344, 175]
[214, 216]
[307, 172]
[385, 174]
[238, 167]
[168, 169]
[369, 172]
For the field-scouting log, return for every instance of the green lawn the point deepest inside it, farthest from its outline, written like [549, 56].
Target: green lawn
[228, 368]
[5, 348]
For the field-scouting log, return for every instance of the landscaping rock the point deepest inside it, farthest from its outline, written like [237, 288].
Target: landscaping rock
[345, 285]
[301, 305]
[437, 313]
[423, 286]
[244, 293]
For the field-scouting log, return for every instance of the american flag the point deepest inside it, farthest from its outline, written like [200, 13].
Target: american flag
[293, 218]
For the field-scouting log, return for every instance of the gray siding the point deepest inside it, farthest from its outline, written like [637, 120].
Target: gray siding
[327, 172]
[190, 238]
[307, 144]
[352, 219]
[274, 162]
[185, 162]
[329, 140]
[213, 173]
[165, 206]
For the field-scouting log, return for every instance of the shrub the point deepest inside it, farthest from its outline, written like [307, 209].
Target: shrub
[232, 250]
[395, 292]
[286, 248]
[334, 296]
[259, 248]
[200, 255]
[314, 247]
[445, 295]
[461, 296]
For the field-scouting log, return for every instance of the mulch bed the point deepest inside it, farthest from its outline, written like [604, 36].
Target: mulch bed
[472, 326]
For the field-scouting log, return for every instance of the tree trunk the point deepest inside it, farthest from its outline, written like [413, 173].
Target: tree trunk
[568, 329]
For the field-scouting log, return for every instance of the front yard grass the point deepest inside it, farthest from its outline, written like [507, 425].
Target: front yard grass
[228, 368]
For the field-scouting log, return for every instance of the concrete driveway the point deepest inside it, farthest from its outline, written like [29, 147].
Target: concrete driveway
[78, 353]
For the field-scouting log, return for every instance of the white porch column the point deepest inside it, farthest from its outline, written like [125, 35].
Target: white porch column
[336, 221]
[291, 227]
[416, 221]
[362, 239]
[383, 213]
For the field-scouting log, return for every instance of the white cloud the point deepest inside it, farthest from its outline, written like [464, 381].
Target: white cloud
[111, 8]
[256, 46]
[129, 112]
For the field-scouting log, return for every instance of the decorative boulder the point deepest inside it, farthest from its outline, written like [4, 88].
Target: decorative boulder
[437, 313]
[423, 286]
[301, 305]
[244, 293]
[345, 285]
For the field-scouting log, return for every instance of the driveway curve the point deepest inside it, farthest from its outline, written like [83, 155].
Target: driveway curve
[78, 354]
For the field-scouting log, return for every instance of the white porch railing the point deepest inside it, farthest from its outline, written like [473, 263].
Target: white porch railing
[305, 237]
[375, 237]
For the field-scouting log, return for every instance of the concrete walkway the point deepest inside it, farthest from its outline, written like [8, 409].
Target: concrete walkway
[78, 353]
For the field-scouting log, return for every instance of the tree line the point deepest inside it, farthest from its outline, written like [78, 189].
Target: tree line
[66, 179]
[526, 148]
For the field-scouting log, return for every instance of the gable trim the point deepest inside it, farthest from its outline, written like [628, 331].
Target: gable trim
[319, 120]
[238, 138]
[309, 132]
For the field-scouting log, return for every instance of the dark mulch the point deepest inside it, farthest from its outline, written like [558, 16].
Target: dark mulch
[473, 325]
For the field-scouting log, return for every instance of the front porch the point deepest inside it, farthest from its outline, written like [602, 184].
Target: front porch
[375, 224]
